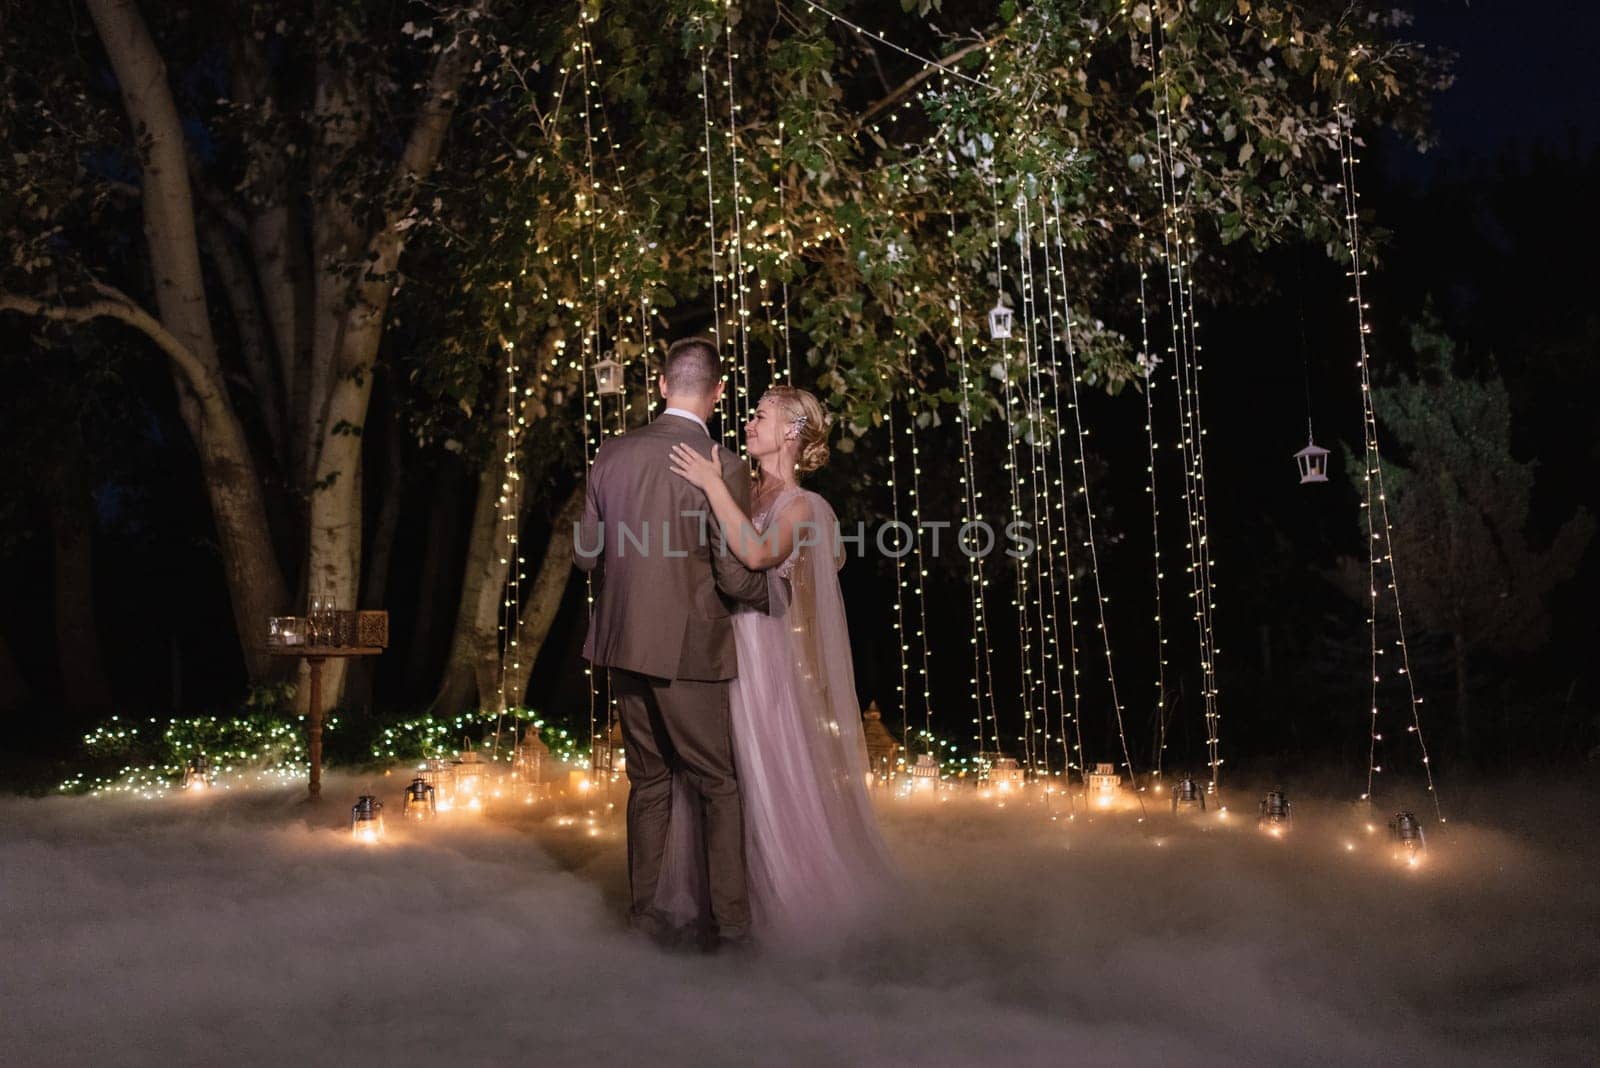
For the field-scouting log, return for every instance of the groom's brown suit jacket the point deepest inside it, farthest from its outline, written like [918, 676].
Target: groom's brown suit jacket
[666, 580]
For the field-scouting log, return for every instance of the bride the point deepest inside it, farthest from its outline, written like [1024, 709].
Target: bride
[812, 848]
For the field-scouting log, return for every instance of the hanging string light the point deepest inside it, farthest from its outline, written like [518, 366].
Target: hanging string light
[1088, 501]
[1183, 349]
[596, 285]
[788, 260]
[902, 646]
[1071, 724]
[927, 64]
[728, 432]
[743, 398]
[1037, 467]
[1147, 364]
[1380, 532]
[510, 507]
[592, 64]
[982, 679]
[1003, 371]
[920, 566]
[1208, 588]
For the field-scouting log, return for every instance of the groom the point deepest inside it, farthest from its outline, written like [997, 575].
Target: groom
[660, 624]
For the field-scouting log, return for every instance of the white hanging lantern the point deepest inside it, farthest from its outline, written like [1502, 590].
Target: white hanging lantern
[999, 321]
[607, 377]
[1313, 461]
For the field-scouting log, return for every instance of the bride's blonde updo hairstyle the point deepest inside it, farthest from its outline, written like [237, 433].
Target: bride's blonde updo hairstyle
[811, 443]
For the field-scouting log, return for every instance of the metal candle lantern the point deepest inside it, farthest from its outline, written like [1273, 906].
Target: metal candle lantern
[1188, 794]
[1408, 835]
[1104, 783]
[1276, 813]
[366, 819]
[197, 776]
[419, 803]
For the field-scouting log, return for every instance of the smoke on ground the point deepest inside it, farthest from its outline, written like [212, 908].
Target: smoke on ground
[247, 928]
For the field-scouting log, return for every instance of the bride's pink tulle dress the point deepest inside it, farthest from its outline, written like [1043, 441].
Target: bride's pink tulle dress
[817, 863]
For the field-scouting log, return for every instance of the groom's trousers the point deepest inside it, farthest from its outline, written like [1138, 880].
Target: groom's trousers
[682, 722]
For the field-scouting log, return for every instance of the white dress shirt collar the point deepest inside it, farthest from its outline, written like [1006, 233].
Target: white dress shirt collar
[682, 414]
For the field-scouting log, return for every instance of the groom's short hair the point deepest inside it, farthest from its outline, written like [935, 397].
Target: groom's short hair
[692, 367]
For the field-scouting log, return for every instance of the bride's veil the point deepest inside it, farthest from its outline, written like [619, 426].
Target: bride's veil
[819, 645]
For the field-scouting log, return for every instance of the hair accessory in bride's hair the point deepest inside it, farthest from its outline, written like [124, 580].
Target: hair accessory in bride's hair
[800, 422]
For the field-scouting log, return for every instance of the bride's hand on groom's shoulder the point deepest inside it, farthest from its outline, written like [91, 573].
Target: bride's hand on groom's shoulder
[696, 469]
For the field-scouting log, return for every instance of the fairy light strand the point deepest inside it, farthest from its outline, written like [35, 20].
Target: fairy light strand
[1183, 349]
[711, 231]
[902, 647]
[743, 397]
[875, 35]
[1038, 442]
[1071, 727]
[1020, 570]
[1376, 503]
[921, 573]
[1088, 500]
[1147, 363]
[982, 661]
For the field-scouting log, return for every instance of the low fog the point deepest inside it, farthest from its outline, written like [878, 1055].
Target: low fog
[246, 927]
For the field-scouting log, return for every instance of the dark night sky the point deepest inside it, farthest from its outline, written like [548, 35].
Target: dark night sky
[1525, 72]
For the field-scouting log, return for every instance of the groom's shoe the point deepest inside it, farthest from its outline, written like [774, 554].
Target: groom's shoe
[735, 944]
[654, 926]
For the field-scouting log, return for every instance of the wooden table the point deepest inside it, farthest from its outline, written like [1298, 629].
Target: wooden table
[314, 656]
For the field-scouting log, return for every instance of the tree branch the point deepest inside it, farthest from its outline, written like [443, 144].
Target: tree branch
[115, 304]
[923, 75]
[239, 286]
[427, 136]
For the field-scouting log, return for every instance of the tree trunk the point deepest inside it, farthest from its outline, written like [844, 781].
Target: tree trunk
[83, 677]
[335, 543]
[474, 654]
[255, 581]
[13, 687]
[278, 252]
[253, 341]
[375, 583]
[483, 580]
[482, 589]
[438, 564]
[375, 586]
[543, 601]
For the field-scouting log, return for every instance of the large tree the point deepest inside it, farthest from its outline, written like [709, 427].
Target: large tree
[447, 191]
[1471, 570]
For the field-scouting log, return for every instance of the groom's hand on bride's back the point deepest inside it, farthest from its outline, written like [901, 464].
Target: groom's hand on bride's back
[733, 578]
